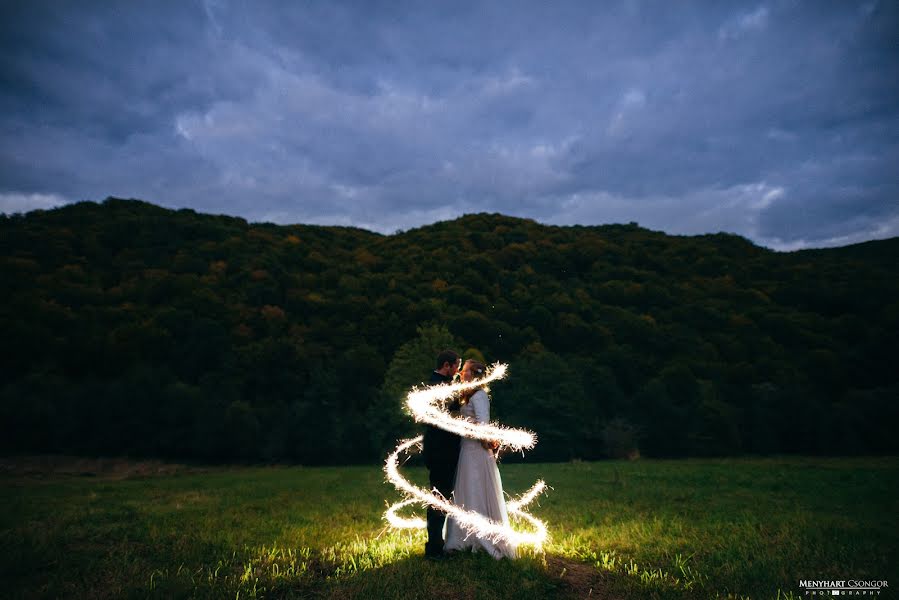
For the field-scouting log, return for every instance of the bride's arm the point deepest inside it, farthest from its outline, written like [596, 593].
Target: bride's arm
[481, 404]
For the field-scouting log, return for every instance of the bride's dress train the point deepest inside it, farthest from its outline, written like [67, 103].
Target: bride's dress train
[478, 488]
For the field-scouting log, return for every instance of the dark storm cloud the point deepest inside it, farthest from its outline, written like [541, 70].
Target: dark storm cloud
[775, 120]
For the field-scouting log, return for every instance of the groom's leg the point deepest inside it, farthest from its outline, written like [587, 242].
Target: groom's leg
[441, 478]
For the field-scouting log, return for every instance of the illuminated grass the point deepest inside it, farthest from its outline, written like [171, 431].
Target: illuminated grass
[649, 529]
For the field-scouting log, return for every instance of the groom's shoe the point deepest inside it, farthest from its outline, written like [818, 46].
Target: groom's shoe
[436, 556]
[433, 550]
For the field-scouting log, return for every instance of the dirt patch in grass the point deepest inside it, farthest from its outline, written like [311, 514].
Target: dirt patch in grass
[580, 580]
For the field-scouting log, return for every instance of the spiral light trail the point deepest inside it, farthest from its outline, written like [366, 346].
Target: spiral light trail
[425, 406]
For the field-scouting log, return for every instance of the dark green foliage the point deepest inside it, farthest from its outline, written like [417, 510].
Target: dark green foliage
[411, 365]
[132, 329]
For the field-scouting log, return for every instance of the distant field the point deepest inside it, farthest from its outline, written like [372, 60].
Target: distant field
[644, 529]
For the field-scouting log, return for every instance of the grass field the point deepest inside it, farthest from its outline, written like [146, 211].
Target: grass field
[726, 528]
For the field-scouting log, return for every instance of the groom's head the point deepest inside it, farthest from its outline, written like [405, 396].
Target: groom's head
[448, 363]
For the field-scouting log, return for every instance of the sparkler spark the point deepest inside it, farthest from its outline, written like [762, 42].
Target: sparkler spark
[425, 406]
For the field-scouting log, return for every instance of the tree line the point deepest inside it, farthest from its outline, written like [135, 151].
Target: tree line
[132, 329]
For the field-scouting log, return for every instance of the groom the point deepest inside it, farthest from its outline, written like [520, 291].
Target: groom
[441, 453]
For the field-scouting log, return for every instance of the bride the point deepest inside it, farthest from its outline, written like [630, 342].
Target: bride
[478, 486]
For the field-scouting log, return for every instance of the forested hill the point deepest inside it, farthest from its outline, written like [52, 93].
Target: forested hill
[132, 329]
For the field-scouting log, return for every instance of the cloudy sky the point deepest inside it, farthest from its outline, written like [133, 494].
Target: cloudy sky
[777, 120]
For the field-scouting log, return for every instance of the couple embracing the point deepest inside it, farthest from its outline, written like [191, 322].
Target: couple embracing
[463, 470]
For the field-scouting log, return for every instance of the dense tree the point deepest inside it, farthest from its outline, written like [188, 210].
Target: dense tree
[133, 329]
[410, 366]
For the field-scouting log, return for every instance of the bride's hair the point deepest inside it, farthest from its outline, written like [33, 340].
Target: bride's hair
[477, 369]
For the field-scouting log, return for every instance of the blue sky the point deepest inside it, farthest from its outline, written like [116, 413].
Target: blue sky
[777, 120]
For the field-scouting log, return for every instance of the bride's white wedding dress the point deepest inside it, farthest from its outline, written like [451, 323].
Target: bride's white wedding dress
[478, 487]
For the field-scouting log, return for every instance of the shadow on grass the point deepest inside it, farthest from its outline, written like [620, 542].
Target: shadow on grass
[463, 576]
[388, 566]
[479, 576]
[466, 576]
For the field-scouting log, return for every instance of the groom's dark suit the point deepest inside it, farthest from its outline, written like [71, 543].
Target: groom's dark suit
[441, 454]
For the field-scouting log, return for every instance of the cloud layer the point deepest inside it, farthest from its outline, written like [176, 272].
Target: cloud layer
[778, 121]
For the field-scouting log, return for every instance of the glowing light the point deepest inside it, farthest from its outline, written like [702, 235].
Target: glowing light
[426, 407]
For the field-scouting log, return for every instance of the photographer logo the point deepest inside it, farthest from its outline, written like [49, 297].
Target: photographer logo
[842, 587]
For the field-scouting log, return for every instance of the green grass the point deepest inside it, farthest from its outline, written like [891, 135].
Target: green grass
[728, 528]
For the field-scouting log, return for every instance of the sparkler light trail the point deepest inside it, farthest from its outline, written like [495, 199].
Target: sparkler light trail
[425, 406]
